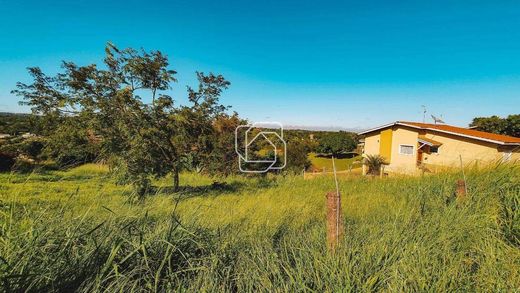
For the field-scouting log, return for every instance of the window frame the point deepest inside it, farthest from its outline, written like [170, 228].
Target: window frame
[437, 152]
[407, 145]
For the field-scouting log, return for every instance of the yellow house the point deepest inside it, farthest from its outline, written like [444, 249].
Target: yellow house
[411, 147]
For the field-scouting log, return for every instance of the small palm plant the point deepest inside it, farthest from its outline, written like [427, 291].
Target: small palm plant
[374, 163]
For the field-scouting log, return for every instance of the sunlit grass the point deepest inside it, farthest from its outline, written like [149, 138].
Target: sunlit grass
[342, 164]
[78, 230]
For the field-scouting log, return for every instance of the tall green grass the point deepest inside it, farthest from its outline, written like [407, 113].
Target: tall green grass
[78, 231]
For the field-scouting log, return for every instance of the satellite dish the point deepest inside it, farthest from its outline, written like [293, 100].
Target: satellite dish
[437, 120]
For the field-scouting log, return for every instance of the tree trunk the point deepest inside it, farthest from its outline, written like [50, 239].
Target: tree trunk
[175, 179]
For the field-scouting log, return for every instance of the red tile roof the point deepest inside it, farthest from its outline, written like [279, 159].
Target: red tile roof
[465, 132]
[480, 135]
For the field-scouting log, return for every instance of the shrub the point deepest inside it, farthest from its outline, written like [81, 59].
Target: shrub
[32, 148]
[23, 165]
[70, 146]
[336, 143]
[7, 161]
[297, 156]
[374, 163]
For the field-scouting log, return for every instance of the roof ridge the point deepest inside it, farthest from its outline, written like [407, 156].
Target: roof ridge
[454, 130]
[464, 131]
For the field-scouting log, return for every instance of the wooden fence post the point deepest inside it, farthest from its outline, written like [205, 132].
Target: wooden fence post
[334, 220]
[461, 189]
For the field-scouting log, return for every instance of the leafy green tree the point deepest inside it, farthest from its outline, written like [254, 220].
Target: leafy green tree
[195, 137]
[16, 123]
[148, 140]
[336, 143]
[222, 160]
[494, 124]
[33, 148]
[513, 125]
[297, 156]
[69, 145]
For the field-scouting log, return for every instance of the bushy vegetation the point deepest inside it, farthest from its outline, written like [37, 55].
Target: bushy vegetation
[374, 163]
[16, 123]
[336, 143]
[99, 112]
[509, 125]
[77, 230]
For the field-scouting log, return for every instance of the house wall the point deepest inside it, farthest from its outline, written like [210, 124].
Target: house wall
[372, 143]
[513, 150]
[516, 154]
[385, 144]
[472, 151]
[402, 163]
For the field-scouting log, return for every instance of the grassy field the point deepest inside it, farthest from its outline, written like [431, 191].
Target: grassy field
[77, 230]
[320, 162]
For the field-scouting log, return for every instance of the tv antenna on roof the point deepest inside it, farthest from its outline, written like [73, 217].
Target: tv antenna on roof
[423, 113]
[437, 120]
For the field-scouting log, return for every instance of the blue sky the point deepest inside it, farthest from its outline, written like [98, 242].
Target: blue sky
[315, 63]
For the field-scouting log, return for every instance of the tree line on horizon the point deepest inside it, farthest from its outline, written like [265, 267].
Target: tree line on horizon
[18, 123]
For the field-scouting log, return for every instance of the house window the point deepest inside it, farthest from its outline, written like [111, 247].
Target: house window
[434, 149]
[405, 149]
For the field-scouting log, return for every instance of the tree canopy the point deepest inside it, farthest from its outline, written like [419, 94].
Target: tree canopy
[335, 143]
[16, 123]
[494, 124]
[144, 140]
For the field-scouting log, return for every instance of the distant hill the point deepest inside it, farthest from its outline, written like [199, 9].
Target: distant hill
[324, 128]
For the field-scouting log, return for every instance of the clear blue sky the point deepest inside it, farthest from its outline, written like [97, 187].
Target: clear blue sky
[316, 63]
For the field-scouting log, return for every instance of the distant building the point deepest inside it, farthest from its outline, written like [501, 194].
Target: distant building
[411, 147]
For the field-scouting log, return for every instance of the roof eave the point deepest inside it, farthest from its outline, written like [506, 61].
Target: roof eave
[467, 136]
[385, 126]
[442, 131]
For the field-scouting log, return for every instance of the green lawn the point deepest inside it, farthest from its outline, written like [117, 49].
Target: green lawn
[319, 163]
[77, 230]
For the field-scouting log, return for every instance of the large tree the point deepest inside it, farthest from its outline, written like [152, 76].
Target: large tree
[222, 160]
[197, 139]
[494, 124]
[335, 143]
[147, 139]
